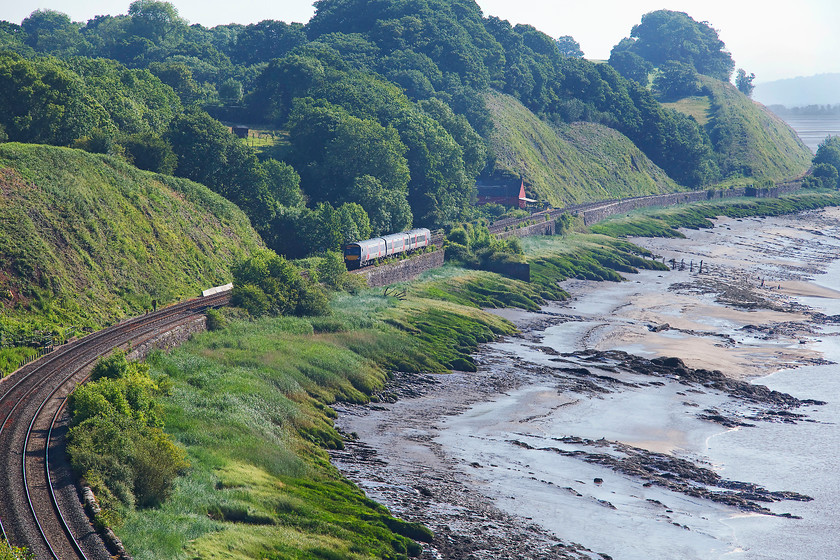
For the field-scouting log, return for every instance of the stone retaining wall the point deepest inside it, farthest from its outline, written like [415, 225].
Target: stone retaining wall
[540, 228]
[170, 339]
[401, 271]
[592, 215]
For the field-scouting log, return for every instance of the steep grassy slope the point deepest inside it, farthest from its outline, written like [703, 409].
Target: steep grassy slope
[750, 140]
[579, 163]
[86, 239]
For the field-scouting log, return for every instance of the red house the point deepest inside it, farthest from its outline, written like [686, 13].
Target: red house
[511, 194]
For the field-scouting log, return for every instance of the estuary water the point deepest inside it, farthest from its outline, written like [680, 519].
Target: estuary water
[620, 515]
[813, 129]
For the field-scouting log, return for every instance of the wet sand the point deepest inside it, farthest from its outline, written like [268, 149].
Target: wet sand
[503, 463]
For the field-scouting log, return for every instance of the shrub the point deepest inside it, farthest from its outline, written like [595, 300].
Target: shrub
[215, 320]
[826, 175]
[268, 284]
[458, 235]
[313, 301]
[331, 270]
[117, 441]
[250, 298]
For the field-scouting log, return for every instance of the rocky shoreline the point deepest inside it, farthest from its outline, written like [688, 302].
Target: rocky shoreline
[393, 450]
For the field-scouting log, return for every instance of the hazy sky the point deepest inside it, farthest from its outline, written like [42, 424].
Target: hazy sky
[800, 39]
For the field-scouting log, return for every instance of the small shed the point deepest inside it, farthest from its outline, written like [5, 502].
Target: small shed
[510, 194]
[240, 131]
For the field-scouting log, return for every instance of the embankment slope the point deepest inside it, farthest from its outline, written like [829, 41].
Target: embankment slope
[750, 140]
[87, 238]
[580, 162]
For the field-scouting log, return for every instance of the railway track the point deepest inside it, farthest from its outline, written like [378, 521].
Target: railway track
[39, 504]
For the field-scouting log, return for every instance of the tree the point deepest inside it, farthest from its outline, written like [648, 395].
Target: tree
[156, 21]
[826, 176]
[230, 92]
[828, 153]
[388, 211]
[268, 284]
[283, 183]
[744, 83]
[280, 83]
[353, 223]
[569, 47]
[472, 145]
[179, 76]
[631, 66]
[42, 101]
[12, 38]
[675, 81]
[266, 40]
[332, 148]
[209, 153]
[665, 35]
[52, 32]
[149, 152]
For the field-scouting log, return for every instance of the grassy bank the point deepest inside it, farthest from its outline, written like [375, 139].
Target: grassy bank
[251, 406]
[664, 222]
[87, 239]
[575, 163]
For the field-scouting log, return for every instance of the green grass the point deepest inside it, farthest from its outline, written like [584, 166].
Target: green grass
[251, 406]
[664, 222]
[87, 239]
[750, 140]
[698, 107]
[576, 163]
[586, 257]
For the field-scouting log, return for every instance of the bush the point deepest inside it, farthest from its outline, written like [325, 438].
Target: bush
[826, 174]
[215, 320]
[117, 441]
[459, 236]
[250, 298]
[268, 284]
[332, 271]
[313, 301]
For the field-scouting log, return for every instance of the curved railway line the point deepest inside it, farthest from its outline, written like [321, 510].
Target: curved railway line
[39, 504]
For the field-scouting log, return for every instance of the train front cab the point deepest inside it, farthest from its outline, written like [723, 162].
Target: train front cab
[353, 256]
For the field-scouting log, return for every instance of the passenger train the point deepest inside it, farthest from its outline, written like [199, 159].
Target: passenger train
[363, 253]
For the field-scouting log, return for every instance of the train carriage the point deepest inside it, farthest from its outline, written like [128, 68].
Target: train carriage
[362, 253]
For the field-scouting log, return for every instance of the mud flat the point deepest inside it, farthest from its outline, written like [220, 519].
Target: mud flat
[674, 415]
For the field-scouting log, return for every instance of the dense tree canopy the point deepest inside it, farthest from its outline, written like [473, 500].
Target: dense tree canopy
[569, 47]
[665, 35]
[383, 102]
[631, 66]
[676, 80]
[42, 101]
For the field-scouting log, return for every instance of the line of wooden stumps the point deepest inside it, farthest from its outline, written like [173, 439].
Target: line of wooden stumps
[682, 265]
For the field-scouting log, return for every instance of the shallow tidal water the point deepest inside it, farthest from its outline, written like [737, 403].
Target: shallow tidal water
[813, 129]
[618, 515]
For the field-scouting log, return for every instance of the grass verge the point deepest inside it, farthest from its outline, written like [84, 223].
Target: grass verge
[663, 222]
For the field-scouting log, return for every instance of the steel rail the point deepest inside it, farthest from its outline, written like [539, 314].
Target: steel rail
[88, 349]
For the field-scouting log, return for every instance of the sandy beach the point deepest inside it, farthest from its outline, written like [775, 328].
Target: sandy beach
[605, 428]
